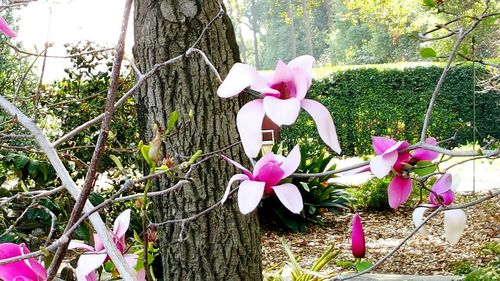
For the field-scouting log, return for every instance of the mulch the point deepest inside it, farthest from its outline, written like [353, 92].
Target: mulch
[422, 255]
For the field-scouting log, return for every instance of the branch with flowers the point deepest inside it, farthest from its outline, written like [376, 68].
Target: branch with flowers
[280, 96]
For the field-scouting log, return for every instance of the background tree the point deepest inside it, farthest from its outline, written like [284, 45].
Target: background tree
[223, 244]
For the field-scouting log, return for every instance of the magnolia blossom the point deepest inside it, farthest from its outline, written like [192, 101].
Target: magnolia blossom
[443, 188]
[97, 256]
[283, 94]
[454, 220]
[5, 29]
[22, 270]
[268, 172]
[358, 238]
[389, 158]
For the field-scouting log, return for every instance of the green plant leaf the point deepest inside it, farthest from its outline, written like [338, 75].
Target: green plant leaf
[428, 53]
[21, 161]
[423, 168]
[33, 168]
[172, 119]
[145, 154]
[363, 265]
[117, 161]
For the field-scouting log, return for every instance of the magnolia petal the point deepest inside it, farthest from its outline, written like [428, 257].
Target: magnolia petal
[98, 245]
[74, 244]
[448, 197]
[238, 177]
[292, 162]
[361, 169]
[418, 219]
[87, 263]
[455, 182]
[281, 73]
[290, 196]
[443, 184]
[237, 165]
[249, 122]
[29, 269]
[239, 77]
[268, 157]
[282, 112]
[324, 122]
[300, 84]
[132, 262]
[381, 144]
[381, 165]
[5, 29]
[121, 223]
[454, 225]
[303, 64]
[397, 146]
[399, 191]
[249, 195]
[423, 154]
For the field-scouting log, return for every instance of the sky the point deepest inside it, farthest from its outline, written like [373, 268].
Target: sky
[70, 21]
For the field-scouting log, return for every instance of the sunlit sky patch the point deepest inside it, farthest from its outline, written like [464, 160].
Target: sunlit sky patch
[70, 21]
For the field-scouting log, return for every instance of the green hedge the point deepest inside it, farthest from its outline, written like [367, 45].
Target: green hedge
[392, 102]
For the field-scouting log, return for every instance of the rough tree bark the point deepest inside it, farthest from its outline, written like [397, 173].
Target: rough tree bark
[222, 245]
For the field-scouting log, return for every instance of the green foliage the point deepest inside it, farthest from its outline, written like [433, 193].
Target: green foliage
[488, 273]
[372, 195]
[367, 102]
[81, 96]
[461, 267]
[318, 194]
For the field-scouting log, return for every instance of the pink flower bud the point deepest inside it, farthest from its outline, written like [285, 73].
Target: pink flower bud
[358, 238]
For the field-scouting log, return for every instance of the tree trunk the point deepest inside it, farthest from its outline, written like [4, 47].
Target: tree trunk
[291, 28]
[307, 27]
[329, 14]
[255, 30]
[223, 244]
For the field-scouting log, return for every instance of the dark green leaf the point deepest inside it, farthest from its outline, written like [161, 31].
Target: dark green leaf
[21, 161]
[95, 198]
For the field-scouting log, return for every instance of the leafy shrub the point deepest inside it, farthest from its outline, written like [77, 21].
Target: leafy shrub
[365, 102]
[491, 272]
[318, 195]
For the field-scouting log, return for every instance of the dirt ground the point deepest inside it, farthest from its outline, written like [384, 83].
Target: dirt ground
[384, 230]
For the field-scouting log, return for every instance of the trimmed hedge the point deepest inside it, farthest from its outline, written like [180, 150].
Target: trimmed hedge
[392, 102]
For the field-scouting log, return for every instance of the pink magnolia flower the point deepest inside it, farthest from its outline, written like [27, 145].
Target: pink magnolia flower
[389, 158]
[358, 238]
[443, 188]
[22, 270]
[283, 94]
[268, 172]
[5, 29]
[455, 220]
[97, 256]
